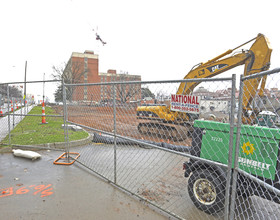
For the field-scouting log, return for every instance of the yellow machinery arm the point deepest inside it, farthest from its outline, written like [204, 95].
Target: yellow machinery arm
[256, 59]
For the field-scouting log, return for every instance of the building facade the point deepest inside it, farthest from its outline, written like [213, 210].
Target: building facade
[84, 68]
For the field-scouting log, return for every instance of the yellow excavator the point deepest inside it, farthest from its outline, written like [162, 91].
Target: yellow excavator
[174, 125]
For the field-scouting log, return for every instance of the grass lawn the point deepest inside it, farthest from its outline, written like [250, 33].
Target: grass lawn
[30, 132]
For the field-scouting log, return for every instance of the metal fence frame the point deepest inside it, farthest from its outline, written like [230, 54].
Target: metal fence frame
[13, 114]
[231, 183]
[232, 172]
[236, 168]
[115, 135]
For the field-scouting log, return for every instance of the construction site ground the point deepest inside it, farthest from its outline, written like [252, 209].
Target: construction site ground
[102, 118]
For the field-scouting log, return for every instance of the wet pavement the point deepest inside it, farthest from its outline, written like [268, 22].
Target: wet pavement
[158, 176]
[41, 190]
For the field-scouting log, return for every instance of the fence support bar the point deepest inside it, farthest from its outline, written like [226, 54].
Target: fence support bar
[229, 169]
[115, 138]
[235, 172]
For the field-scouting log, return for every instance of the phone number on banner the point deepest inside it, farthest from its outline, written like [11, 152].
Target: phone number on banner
[184, 109]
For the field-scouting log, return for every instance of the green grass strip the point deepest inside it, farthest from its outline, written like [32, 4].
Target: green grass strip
[30, 131]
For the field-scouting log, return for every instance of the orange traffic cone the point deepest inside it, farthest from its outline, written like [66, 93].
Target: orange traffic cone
[1, 112]
[43, 114]
[12, 109]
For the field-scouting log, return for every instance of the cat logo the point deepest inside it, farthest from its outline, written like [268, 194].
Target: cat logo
[248, 148]
[201, 72]
[217, 67]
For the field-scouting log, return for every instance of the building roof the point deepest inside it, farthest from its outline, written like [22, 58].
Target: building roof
[85, 54]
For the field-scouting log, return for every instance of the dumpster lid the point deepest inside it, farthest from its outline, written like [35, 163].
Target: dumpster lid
[266, 113]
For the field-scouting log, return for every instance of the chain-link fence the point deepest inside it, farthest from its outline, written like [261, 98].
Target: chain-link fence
[207, 153]
[255, 188]
[211, 153]
[28, 117]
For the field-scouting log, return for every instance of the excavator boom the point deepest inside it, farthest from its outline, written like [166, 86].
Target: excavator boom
[256, 59]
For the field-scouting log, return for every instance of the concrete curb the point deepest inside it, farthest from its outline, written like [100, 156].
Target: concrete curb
[49, 146]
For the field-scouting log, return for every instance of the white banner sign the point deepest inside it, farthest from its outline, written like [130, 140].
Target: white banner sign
[185, 103]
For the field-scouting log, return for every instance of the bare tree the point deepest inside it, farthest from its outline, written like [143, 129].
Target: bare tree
[124, 92]
[146, 92]
[14, 91]
[71, 72]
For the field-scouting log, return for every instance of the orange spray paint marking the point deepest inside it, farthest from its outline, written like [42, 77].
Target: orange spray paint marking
[6, 192]
[43, 189]
[40, 188]
[22, 190]
[47, 192]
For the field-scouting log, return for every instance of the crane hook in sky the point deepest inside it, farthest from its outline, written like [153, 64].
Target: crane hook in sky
[99, 38]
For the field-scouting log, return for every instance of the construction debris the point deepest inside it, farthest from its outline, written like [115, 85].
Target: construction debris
[106, 139]
[27, 154]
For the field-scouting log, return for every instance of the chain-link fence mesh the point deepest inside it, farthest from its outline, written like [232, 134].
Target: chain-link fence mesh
[173, 151]
[210, 153]
[29, 118]
[257, 156]
[135, 147]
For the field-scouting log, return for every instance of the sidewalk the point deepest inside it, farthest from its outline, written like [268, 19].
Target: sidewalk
[40, 190]
[14, 120]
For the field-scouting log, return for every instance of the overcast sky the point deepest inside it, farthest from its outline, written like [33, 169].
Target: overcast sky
[156, 39]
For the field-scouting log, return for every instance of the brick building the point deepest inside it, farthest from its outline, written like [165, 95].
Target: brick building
[84, 68]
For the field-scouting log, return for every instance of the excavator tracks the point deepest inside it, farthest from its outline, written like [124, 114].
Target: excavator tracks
[172, 132]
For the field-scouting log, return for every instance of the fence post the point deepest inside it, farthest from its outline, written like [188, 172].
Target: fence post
[235, 171]
[20, 109]
[9, 118]
[231, 133]
[115, 141]
[13, 111]
[66, 136]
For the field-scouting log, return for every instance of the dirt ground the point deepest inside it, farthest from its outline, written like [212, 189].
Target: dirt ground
[102, 118]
